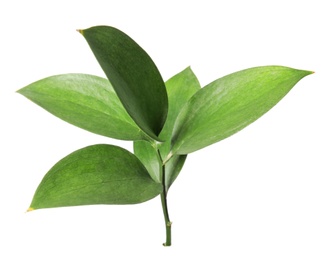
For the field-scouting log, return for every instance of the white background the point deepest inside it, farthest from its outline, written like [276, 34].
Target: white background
[260, 194]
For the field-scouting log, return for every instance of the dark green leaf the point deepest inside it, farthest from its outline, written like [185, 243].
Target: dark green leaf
[229, 104]
[86, 101]
[133, 75]
[98, 174]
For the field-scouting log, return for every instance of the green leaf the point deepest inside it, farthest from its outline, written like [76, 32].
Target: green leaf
[85, 101]
[180, 88]
[173, 168]
[98, 174]
[229, 104]
[149, 156]
[133, 75]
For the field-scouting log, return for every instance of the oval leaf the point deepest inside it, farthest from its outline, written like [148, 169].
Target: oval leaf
[229, 104]
[133, 75]
[85, 101]
[98, 174]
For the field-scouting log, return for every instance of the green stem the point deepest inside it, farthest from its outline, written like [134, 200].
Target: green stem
[165, 206]
[166, 217]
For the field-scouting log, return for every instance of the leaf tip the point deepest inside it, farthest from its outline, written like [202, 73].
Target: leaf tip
[309, 72]
[80, 31]
[30, 209]
[20, 91]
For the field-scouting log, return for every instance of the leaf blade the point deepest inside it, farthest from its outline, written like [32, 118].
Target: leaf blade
[133, 75]
[229, 104]
[86, 101]
[98, 174]
[148, 155]
[180, 88]
[173, 169]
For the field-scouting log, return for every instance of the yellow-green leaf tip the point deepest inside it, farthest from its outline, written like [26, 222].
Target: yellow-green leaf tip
[29, 209]
[80, 31]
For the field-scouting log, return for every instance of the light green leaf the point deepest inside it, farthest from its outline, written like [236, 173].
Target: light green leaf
[98, 174]
[85, 101]
[179, 88]
[149, 156]
[229, 104]
[173, 168]
[133, 75]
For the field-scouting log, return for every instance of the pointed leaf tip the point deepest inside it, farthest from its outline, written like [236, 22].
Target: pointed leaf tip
[30, 209]
[80, 31]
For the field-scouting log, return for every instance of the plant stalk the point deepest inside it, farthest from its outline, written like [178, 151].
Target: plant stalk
[166, 217]
[165, 206]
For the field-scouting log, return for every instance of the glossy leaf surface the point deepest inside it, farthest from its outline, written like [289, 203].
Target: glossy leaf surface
[85, 101]
[229, 104]
[98, 174]
[133, 75]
